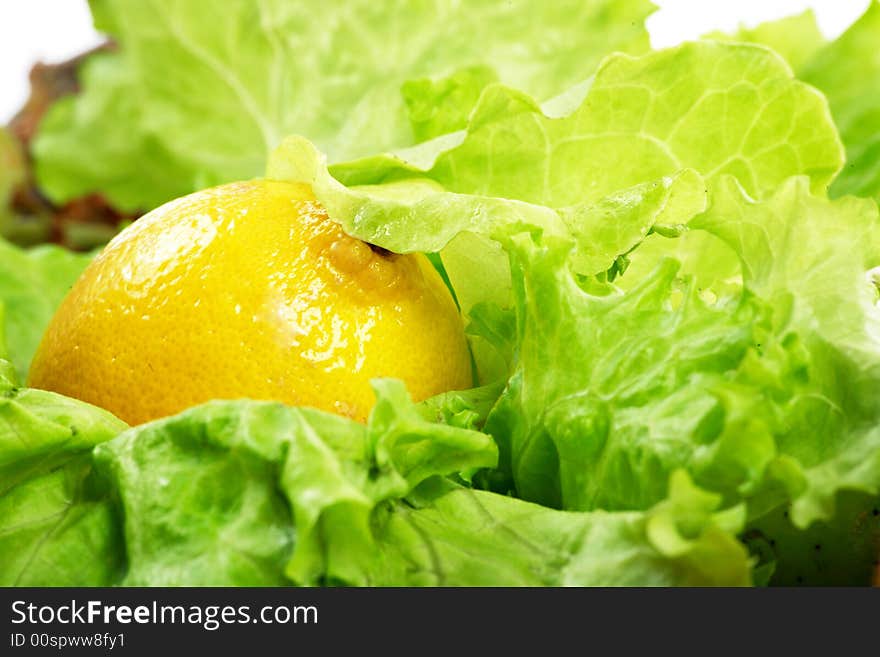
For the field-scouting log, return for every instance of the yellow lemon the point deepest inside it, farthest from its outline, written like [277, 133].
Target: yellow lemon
[249, 290]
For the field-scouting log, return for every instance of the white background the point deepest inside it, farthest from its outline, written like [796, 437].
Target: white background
[54, 30]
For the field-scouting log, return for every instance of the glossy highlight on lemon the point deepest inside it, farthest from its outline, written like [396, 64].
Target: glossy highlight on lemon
[249, 290]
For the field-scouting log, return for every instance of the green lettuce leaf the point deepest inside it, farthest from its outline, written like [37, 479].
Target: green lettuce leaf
[88, 144]
[32, 284]
[208, 497]
[808, 258]
[667, 404]
[57, 524]
[437, 107]
[713, 107]
[8, 376]
[418, 214]
[629, 160]
[797, 38]
[646, 397]
[466, 408]
[39, 429]
[148, 116]
[199, 511]
[60, 529]
[256, 493]
[848, 73]
[765, 395]
[451, 536]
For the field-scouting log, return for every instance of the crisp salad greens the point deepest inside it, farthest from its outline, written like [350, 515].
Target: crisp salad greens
[195, 98]
[32, 284]
[852, 89]
[667, 262]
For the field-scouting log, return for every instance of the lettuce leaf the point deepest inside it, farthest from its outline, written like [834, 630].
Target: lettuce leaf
[648, 395]
[808, 258]
[767, 395]
[60, 529]
[32, 284]
[848, 73]
[256, 493]
[797, 38]
[332, 72]
[39, 429]
[714, 107]
[418, 215]
[8, 376]
[630, 159]
[57, 525]
[451, 536]
[89, 144]
[656, 407]
[665, 368]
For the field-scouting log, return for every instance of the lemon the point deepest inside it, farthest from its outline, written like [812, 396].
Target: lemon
[249, 290]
